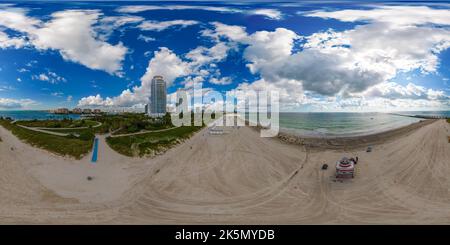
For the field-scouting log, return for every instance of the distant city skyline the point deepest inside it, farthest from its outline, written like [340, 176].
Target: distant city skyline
[330, 57]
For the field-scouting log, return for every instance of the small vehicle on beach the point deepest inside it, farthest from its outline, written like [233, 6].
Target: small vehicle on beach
[345, 168]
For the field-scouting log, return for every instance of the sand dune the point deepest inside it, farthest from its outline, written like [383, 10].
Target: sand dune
[233, 178]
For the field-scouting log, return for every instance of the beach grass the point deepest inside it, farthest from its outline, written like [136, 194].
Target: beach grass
[65, 146]
[150, 143]
[65, 123]
[132, 123]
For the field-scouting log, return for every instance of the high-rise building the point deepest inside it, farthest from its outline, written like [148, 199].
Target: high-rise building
[158, 99]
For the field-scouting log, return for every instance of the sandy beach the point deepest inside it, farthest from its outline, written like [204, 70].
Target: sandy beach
[235, 178]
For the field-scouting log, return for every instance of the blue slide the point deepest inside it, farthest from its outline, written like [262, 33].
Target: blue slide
[94, 152]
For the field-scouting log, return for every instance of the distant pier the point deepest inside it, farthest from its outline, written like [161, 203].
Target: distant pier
[421, 116]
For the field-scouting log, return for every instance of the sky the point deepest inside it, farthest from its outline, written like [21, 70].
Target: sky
[319, 56]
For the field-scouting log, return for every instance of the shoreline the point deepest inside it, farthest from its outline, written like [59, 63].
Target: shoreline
[351, 142]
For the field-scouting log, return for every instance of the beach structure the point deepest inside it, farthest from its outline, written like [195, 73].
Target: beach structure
[215, 131]
[345, 168]
[158, 99]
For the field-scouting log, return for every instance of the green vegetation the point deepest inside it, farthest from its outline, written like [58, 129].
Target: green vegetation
[65, 123]
[150, 143]
[132, 122]
[70, 145]
[81, 133]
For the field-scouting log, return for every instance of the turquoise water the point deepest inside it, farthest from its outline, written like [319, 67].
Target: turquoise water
[40, 115]
[340, 124]
[348, 124]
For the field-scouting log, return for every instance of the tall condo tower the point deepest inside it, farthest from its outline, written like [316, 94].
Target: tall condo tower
[158, 97]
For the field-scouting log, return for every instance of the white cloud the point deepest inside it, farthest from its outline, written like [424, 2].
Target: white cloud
[78, 43]
[146, 39]
[167, 64]
[396, 39]
[391, 90]
[94, 101]
[191, 81]
[268, 13]
[331, 69]
[50, 77]
[269, 47]
[142, 8]
[221, 81]
[164, 63]
[348, 61]
[16, 19]
[55, 78]
[6, 103]
[7, 42]
[6, 88]
[234, 33]
[395, 15]
[198, 64]
[57, 94]
[119, 21]
[343, 63]
[162, 25]
[70, 32]
[290, 91]
[42, 77]
[107, 25]
[202, 55]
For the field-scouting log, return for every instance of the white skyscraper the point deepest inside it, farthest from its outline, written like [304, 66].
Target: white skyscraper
[158, 99]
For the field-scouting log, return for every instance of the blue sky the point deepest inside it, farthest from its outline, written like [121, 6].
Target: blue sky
[320, 57]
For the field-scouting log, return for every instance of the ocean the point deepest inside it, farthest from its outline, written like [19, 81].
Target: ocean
[308, 124]
[348, 124]
[39, 115]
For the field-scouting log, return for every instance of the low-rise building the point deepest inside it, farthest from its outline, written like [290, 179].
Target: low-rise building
[87, 111]
[77, 111]
[97, 111]
[62, 111]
